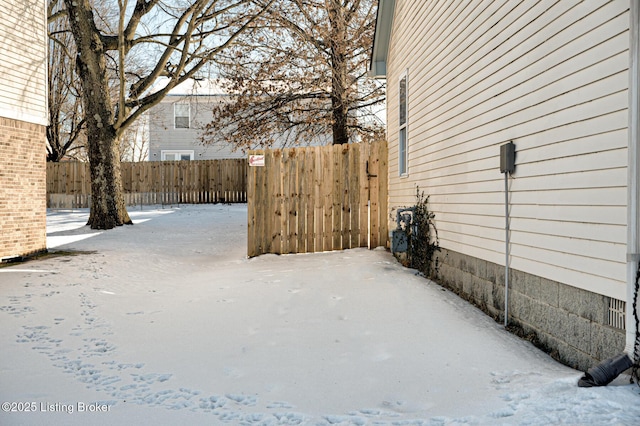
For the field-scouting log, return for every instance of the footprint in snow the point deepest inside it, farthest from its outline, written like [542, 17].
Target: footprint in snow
[280, 404]
[246, 400]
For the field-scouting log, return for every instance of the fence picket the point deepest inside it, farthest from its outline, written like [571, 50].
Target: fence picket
[345, 208]
[309, 225]
[354, 198]
[364, 191]
[336, 202]
[318, 200]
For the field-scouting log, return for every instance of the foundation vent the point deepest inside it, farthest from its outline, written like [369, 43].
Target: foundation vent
[616, 313]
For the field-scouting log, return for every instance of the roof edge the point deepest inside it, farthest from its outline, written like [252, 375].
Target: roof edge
[381, 38]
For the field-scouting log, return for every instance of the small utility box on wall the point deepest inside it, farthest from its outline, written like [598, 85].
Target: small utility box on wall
[399, 241]
[406, 228]
[508, 158]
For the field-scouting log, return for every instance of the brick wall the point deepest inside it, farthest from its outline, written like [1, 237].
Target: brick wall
[22, 188]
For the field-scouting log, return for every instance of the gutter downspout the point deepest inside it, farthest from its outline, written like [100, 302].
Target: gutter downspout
[605, 372]
[633, 173]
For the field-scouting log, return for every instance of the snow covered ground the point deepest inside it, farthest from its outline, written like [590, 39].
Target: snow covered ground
[168, 322]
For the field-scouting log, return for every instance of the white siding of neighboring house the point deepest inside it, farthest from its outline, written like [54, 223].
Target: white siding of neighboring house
[164, 136]
[551, 77]
[22, 61]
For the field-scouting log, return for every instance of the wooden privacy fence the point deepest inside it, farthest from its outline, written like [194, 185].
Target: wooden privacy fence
[154, 182]
[315, 199]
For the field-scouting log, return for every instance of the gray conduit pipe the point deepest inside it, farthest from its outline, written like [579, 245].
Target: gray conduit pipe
[506, 248]
[507, 166]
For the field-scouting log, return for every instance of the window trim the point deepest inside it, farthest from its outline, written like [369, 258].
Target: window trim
[188, 105]
[403, 127]
[164, 152]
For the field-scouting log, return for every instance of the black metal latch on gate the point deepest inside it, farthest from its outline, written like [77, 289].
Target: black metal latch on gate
[367, 170]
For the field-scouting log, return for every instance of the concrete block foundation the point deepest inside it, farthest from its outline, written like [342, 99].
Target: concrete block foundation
[567, 322]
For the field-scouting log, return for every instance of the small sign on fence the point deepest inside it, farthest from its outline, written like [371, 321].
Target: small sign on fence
[256, 160]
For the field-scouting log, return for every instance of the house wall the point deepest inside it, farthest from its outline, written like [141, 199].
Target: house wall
[23, 192]
[23, 61]
[551, 77]
[164, 136]
[23, 117]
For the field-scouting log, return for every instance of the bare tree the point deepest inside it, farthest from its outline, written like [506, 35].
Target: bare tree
[177, 38]
[301, 75]
[134, 143]
[65, 135]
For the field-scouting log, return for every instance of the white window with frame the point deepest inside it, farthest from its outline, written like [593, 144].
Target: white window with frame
[176, 155]
[403, 151]
[181, 116]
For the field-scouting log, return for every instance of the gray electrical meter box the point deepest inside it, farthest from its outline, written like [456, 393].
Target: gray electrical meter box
[508, 158]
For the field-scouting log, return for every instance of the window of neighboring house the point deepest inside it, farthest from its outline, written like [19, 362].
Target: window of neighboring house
[402, 126]
[181, 116]
[175, 155]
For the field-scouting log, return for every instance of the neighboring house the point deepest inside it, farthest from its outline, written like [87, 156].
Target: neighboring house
[23, 121]
[175, 123]
[559, 80]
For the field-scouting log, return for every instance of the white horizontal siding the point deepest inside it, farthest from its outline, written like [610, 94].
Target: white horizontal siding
[23, 61]
[550, 76]
[164, 136]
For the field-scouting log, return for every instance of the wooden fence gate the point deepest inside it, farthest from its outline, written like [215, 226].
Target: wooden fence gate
[304, 200]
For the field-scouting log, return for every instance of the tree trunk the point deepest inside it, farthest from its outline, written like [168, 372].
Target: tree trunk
[107, 195]
[338, 105]
[339, 76]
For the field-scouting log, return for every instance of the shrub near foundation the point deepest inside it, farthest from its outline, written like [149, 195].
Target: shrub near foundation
[423, 238]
